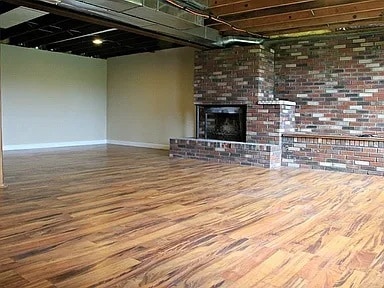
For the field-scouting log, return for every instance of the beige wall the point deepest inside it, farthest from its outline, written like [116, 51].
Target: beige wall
[150, 97]
[52, 97]
[1, 134]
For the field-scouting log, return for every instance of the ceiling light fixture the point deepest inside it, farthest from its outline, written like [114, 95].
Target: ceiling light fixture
[97, 41]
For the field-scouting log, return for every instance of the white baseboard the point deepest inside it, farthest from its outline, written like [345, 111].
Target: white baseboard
[52, 145]
[84, 143]
[139, 144]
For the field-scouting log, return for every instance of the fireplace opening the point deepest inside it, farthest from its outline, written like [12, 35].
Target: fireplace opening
[221, 122]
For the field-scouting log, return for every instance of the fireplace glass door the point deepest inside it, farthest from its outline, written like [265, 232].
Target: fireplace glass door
[223, 123]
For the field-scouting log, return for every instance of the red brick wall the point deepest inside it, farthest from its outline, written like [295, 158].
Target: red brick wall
[337, 83]
[363, 156]
[267, 122]
[243, 76]
[239, 75]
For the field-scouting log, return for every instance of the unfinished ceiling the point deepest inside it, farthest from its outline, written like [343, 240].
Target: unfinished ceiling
[67, 32]
[133, 26]
[273, 18]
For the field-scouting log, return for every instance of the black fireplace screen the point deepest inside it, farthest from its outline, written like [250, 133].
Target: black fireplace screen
[221, 122]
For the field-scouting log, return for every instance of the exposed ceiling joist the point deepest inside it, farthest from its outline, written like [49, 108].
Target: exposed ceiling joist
[61, 33]
[101, 21]
[71, 25]
[234, 7]
[308, 18]
[275, 17]
[295, 8]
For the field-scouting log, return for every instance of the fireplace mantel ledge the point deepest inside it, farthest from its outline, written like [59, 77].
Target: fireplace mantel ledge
[223, 141]
[276, 102]
[375, 138]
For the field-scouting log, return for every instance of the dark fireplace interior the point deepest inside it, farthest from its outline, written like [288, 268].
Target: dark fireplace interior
[221, 122]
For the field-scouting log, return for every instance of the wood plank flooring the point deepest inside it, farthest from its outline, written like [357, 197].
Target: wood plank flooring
[112, 216]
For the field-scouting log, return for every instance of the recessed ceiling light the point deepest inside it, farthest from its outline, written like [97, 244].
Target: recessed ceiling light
[97, 41]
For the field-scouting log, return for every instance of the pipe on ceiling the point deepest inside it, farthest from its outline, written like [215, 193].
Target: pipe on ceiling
[232, 40]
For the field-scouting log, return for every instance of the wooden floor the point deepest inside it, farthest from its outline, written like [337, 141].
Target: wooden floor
[111, 216]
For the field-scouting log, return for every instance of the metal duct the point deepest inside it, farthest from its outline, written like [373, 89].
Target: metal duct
[153, 15]
[230, 40]
[157, 16]
[194, 4]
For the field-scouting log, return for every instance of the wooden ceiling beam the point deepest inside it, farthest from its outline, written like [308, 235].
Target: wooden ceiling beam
[213, 4]
[348, 12]
[246, 6]
[217, 3]
[371, 23]
[289, 9]
[330, 20]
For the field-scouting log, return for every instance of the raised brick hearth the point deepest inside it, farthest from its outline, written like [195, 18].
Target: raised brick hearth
[332, 152]
[262, 155]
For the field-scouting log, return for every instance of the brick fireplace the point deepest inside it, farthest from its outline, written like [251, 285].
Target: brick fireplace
[238, 118]
[337, 83]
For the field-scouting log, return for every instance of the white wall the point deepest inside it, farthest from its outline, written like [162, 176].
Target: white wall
[51, 98]
[150, 97]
